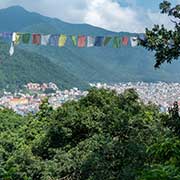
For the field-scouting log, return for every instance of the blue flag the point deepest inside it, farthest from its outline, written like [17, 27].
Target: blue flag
[99, 41]
[53, 40]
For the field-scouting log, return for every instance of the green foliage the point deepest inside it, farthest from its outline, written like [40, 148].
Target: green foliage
[165, 43]
[101, 136]
[24, 67]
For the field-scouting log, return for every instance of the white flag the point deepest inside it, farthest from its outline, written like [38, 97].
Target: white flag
[11, 50]
[90, 41]
[14, 37]
[45, 39]
[134, 41]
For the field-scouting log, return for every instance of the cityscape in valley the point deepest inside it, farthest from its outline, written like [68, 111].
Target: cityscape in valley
[31, 96]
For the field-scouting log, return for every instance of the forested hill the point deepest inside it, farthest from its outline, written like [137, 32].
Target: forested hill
[86, 64]
[26, 67]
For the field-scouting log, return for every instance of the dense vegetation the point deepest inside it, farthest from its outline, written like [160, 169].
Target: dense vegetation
[25, 67]
[102, 136]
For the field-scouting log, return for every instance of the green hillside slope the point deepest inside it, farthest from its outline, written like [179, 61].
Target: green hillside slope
[26, 67]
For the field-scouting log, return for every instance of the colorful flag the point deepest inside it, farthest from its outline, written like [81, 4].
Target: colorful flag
[125, 40]
[90, 41]
[134, 41]
[142, 37]
[16, 38]
[81, 41]
[53, 40]
[73, 39]
[11, 50]
[116, 42]
[107, 40]
[26, 38]
[99, 41]
[7, 35]
[36, 39]
[62, 40]
[45, 39]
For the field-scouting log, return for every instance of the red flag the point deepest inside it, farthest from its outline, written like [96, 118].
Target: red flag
[81, 41]
[125, 40]
[36, 39]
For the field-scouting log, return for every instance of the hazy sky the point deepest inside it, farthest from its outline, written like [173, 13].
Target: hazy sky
[116, 15]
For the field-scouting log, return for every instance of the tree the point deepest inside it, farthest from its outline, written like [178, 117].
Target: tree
[165, 43]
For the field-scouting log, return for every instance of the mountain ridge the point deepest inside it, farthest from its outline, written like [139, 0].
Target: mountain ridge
[104, 64]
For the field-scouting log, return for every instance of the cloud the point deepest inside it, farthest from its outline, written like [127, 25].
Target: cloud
[109, 14]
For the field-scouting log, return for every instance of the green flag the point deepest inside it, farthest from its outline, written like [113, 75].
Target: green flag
[74, 41]
[26, 38]
[116, 42]
[107, 40]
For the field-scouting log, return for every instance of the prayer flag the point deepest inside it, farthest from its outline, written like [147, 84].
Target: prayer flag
[134, 41]
[62, 40]
[14, 37]
[116, 42]
[107, 40]
[142, 37]
[90, 41]
[7, 35]
[99, 41]
[53, 40]
[17, 38]
[11, 50]
[125, 40]
[81, 41]
[73, 39]
[26, 38]
[36, 39]
[45, 39]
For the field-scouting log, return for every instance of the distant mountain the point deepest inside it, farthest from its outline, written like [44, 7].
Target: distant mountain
[86, 64]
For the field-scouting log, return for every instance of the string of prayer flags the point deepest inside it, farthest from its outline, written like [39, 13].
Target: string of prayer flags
[53, 40]
[134, 41]
[36, 39]
[125, 40]
[99, 41]
[81, 41]
[90, 41]
[116, 42]
[73, 39]
[26, 38]
[107, 40]
[45, 39]
[62, 40]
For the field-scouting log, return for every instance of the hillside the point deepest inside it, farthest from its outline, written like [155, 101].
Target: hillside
[26, 67]
[89, 64]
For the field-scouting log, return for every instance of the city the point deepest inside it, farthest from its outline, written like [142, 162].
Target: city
[28, 100]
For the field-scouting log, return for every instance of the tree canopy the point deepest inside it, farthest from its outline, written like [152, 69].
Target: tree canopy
[165, 43]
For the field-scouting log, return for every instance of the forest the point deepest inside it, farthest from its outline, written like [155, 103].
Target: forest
[101, 136]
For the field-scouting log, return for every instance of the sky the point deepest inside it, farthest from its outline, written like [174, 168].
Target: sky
[115, 15]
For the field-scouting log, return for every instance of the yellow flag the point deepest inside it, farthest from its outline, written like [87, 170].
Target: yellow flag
[62, 40]
[17, 38]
